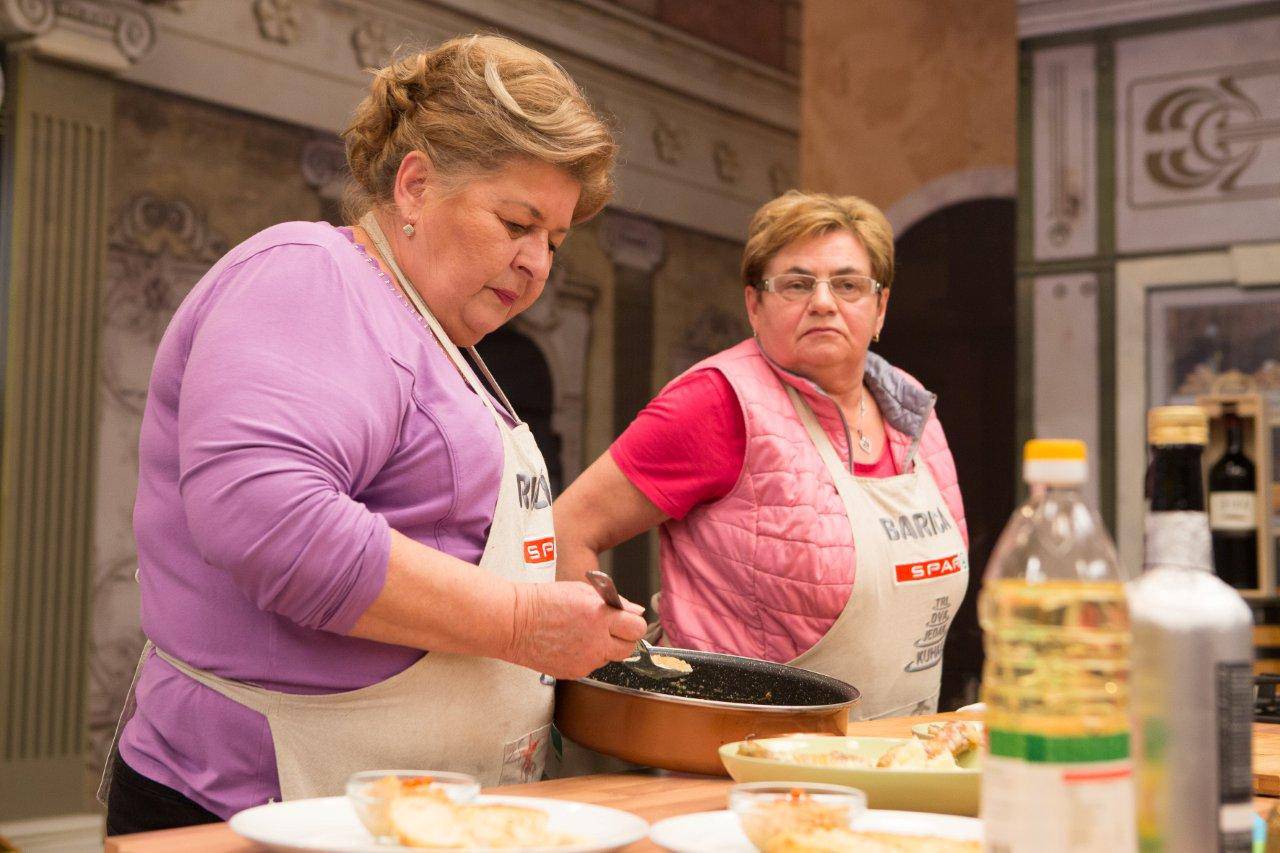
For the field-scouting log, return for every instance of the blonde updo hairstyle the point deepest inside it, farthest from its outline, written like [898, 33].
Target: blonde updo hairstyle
[797, 215]
[471, 105]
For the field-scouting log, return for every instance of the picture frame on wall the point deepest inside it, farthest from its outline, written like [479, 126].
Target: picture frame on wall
[1184, 322]
[1199, 335]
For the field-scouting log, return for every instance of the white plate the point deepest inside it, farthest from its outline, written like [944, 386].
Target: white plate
[719, 831]
[329, 823]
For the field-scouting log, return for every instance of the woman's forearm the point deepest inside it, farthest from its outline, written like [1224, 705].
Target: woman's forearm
[599, 510]
[436, 602]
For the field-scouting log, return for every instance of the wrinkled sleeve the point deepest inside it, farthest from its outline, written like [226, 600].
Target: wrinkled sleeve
[288, 407]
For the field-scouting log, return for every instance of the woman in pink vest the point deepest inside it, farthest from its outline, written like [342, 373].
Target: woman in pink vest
[808, 502]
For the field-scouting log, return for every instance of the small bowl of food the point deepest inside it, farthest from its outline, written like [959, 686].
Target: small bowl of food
[770, 809]
[372, 791]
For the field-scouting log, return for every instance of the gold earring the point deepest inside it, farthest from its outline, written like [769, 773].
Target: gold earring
[876, 339]
[408, 229]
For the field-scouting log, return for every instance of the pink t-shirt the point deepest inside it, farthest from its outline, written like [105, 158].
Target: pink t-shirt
[687, 446]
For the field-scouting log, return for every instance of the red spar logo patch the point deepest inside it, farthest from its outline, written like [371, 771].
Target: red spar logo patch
[540, 550]
[928, 569]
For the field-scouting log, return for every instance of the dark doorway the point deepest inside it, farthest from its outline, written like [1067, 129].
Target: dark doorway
[522, 372]
[951, 325]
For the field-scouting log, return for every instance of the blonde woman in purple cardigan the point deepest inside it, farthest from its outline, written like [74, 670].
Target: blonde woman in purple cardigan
[344, 532]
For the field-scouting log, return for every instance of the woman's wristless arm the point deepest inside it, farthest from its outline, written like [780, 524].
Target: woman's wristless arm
[436, 602]
[599, 510]
[431, 600]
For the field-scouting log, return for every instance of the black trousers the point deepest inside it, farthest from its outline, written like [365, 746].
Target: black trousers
[139, 804]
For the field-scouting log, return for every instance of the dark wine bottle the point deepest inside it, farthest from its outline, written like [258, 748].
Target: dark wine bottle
[1233, 515]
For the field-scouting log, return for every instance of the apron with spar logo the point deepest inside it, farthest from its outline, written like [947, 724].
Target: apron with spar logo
[481, 716]
[912, 574]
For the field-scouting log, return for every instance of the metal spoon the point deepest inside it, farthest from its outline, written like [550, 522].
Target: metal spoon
[642, 661]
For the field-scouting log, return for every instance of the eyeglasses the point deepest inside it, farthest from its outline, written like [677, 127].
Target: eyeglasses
[796, 287]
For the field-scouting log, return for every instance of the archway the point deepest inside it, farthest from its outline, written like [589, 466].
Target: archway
[951, 325]
[525, 377]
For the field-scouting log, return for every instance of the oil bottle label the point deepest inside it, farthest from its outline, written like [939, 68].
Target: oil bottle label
[1053, 749]
[1235, 731]
[1081, 807]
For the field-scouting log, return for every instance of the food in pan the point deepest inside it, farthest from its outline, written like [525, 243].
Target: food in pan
[436, 822]
[671, 662]
[844, 840]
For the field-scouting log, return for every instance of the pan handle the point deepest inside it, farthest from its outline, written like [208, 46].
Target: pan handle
[604, 585]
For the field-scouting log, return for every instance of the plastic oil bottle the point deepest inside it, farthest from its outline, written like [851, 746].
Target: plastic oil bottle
[1057, 775]
[1192, 662]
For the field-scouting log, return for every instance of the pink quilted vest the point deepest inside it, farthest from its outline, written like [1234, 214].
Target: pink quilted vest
[765, 571]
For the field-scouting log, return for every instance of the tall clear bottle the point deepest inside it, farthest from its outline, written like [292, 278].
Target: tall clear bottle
[1192, 662]
[1057, 775]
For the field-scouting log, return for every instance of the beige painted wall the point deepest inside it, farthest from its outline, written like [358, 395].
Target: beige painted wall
[898, 93]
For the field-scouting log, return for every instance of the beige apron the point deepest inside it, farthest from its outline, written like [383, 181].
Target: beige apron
[452, 712]
[912, 574]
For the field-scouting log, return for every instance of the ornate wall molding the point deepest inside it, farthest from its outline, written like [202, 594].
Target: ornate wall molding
[675, 98]
[728, 164]
[324, 166]
[278, 20]
[612, 36]
[1064, 153]
[110, 35]
[157, 249]
[1198, 136]
[373, 43]
[632, 242]
[986, 182]
[1046, 17]
[22, 18]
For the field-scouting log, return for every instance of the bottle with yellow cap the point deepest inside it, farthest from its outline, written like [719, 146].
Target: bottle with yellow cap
[1192, 662]
[1057, 774]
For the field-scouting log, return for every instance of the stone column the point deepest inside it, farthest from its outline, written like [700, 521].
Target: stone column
[636, 248]
[58, 111]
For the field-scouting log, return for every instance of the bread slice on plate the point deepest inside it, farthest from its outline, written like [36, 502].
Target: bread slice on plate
[426, 822]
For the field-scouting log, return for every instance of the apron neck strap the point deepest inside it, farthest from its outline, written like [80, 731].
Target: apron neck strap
[370, 224]
[818, 435]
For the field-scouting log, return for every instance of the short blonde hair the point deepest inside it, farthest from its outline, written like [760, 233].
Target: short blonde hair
[797, 215]
[472, 105]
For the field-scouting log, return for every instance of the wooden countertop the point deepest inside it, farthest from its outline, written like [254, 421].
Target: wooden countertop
[649, 795]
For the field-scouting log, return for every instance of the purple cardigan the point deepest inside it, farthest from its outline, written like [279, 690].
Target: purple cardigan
[298, 409]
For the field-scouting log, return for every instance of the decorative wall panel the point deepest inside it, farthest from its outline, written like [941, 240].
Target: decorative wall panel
[60, 149]
[158, 248]
[1066, 203]
[1198, 156]
[1066, 363]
